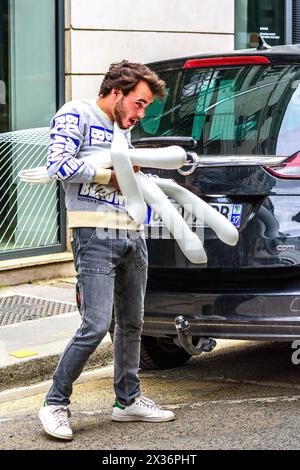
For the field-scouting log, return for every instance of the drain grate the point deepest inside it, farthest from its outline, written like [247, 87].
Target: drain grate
[18, 308]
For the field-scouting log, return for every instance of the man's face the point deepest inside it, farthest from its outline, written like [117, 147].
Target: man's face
[131, 108]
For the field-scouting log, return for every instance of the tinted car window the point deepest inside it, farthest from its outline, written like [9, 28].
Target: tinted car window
[289, 130]
[161, 116]
[237, 110]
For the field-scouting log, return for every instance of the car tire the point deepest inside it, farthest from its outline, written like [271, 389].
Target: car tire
[161, 353]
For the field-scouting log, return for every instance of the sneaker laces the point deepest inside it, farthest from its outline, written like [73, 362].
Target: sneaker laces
[147, 402]
[60, 414]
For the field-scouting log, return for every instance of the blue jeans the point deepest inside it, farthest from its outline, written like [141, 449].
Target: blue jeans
[111, 273]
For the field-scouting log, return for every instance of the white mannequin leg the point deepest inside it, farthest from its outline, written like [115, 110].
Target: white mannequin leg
[166, 158]
[223, 228]
[129, 186]
[188, 241]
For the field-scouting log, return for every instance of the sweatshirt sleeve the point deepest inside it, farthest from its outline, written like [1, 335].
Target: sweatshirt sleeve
[67, 130]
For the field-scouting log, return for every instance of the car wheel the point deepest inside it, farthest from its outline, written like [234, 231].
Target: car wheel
[161, 353]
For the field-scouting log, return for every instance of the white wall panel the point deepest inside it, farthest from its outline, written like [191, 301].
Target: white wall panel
[155, 15]
[93, 51]
[84, 86]
[101, 32]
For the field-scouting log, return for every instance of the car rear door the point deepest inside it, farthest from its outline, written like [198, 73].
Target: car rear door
[239, 119]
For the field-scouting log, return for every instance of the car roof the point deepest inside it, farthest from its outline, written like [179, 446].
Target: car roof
[277, 54]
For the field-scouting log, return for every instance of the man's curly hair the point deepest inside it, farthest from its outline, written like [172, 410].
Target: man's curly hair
[126, 75]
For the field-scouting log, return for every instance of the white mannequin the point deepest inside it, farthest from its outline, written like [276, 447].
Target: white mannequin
[139, 189]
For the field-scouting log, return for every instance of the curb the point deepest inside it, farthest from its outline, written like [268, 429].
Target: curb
[42, 368]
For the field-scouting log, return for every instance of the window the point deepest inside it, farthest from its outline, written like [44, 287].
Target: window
[264, 17]
[30, 217]
[232, 110]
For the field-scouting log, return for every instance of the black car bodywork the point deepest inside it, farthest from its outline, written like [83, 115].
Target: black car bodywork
[245, 103]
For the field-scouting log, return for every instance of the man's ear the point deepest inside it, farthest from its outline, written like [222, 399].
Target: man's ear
[116, 92]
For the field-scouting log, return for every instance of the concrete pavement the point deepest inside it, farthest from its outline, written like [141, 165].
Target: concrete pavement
[29, 350]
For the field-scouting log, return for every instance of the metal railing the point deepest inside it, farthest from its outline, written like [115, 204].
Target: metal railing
[30, 216]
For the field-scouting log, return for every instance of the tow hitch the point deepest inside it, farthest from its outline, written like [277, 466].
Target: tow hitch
[204, 344]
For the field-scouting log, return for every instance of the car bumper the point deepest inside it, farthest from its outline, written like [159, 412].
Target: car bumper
[253, 315]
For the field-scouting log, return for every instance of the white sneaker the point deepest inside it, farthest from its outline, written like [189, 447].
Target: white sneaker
[142, 409]
[55, 421]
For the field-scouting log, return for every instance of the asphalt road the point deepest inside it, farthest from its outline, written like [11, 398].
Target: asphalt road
[243, 395]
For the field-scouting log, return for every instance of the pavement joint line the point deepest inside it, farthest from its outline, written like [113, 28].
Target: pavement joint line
[253, 382]
[234, 381]
[283, 398]
[107, 411]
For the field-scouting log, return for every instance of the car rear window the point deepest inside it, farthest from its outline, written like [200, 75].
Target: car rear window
[230, 110]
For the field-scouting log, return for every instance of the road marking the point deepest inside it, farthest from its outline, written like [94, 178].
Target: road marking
[225, 380]
[254, 382]
[282, 399]
[22, 353]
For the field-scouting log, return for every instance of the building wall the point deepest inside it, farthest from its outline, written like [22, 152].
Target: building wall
[100, 32]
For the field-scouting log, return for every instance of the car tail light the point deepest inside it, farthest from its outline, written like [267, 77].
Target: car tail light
[236, 60]
[289, 169]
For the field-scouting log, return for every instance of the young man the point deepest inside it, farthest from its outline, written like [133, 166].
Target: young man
[111, 270]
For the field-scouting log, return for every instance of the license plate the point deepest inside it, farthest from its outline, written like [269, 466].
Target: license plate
[232, 212]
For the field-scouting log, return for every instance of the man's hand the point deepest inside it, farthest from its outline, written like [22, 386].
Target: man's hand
[113, 178]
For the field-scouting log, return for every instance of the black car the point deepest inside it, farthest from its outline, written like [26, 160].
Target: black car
[238, 117]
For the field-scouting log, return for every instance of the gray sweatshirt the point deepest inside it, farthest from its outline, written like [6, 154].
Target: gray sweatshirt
[79, 129]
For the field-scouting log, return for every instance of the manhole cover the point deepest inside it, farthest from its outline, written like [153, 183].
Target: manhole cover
[18, 308]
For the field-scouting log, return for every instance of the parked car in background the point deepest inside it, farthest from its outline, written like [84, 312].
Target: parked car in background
[238, 116]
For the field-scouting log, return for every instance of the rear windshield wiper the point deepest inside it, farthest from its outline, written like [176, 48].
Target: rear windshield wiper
[186, 142]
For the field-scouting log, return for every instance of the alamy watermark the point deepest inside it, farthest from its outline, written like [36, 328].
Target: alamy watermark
[176, 223]
[295, 358]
